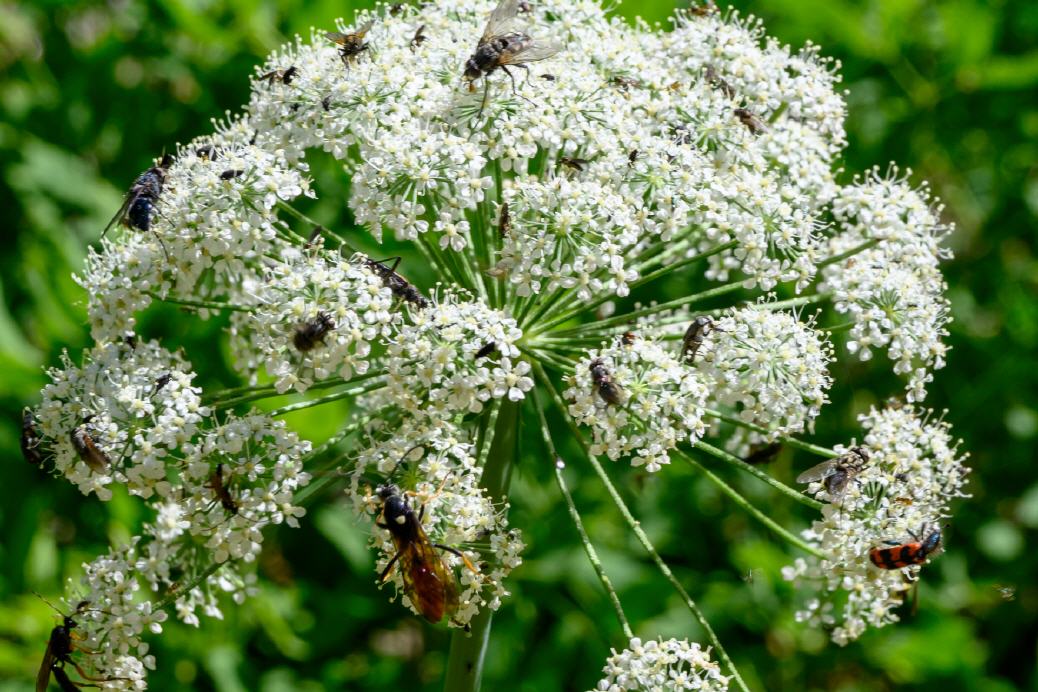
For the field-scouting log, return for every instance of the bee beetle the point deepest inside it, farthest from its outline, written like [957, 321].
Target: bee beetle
[906, 554]
[610, 391]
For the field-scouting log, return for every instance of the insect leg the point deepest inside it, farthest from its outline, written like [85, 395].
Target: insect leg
[455, 551]
[515, 91]
[389, 568]
[486, 95]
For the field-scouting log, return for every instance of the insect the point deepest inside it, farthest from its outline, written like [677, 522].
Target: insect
[762, 455]
[59, 654]
[504, 221]
[610, 391]
[574, 163]
[751, 121]
[628, 338]
[503, 45]
[231, 174]
[906, 554]
[350, 45]
[428, 582]
[694, 337]
[624, 83]
[88, 450]
[835, 474]
[419, 37]
[30, 441]
[161, 381]
[396, 8]
[221, 491]
[487, 349]
[285, 76]
[716, 82]
[548, 77]
[311, 333]
[400, 286]
[206, 152]
[326, 102]
[632, 157]
[140, 201]
[704, 10]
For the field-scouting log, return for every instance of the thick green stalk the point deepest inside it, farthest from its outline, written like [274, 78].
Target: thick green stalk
[468, 649]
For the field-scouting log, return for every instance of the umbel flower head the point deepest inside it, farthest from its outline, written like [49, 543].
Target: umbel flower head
[543, 178]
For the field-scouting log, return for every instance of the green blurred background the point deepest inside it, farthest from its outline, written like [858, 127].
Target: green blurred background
[91, 91]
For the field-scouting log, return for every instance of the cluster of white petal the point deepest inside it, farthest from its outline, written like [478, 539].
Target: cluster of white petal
[317, 316]
[454, 357]
[903, 492]
[669, 665]
[134, 401]
[434, 464]
[659, 402]
[894, 291]
[769, 368]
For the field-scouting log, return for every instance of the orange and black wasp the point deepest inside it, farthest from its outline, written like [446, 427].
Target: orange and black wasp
[504, 45]
[143, 196]
[87, 449]
[59, 654]
[312, 332]
[428, 582]
[607, 389]
[400, 287]
[906, 554]
[836, 473]
[350, 45]
[30, 441]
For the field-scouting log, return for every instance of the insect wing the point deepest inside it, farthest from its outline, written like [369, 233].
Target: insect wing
[501, 20]
[363, 31]
[43, 677]
[131, 197]
[529, 51]
[427, 581]
[819, 472]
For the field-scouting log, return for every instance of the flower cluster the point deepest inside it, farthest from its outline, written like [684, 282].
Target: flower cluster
[901, 495]
[668, 665]
[637, 398]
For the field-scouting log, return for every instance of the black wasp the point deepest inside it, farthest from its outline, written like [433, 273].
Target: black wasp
[140, 201]
[59, 654]
[503, 44]
[400, 286]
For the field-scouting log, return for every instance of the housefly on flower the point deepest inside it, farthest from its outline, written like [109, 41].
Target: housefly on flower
[311, 333]
[504, 44]
[142, 198]
[92, 455]
[607, 389]
[694, 337]
[747, 117]
[836, 474]
[419, 38]
[429, 583]
[350, 45]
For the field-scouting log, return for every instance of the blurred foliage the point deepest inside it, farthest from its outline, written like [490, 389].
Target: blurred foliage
[90, 91]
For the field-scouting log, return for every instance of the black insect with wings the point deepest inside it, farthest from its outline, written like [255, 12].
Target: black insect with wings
[504, 44]
[140, 201]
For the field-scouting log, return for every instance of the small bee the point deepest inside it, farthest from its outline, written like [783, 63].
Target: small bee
[574, 163]
[59, 654]
[610, 391]
[836, 474]
[428, 582]
[487, 349]
[503, 45]
[140, 201]
[350, 45]
[30, 442]
[88, 450]
[284, 76]
[751, 121]
[221, 491]
[311, 333]
[504, 221]
[763, 455]
[906, 554]
[694, 337]
[400, 286]
[231, 174]
[628, 338]
[419, 38]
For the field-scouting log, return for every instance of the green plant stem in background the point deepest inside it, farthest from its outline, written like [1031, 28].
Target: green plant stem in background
[738, 463]
[635, 526]
[791, 441]
[468, 649]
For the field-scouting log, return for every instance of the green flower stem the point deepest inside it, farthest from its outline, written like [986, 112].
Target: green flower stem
[204, 304]
[635, 526]
[292, 211]
[873, 242]
[429, 252]
[738, 463]
[186, 588]
[334, 396]
[592, 554]
[591, 305]
[748, 506]
[842, 327]
[468, 649]
[270, 391]
[791, 441]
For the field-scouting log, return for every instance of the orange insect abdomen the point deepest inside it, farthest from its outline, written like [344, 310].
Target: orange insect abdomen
[898, 556]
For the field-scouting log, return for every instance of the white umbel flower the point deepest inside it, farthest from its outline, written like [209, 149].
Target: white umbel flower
[661, 665]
